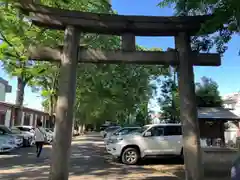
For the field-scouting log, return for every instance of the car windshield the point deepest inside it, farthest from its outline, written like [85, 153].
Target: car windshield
[125, 131]
[5, 129]
[118, 130]
[132, 130]
[15, 130]
[141, 130]
[111, 129]
[103, 127]
[25, 129]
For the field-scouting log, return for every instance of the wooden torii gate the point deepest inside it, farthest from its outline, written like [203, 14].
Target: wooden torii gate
[74, 23]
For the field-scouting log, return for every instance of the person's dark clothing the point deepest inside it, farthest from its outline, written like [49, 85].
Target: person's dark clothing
[39, 146]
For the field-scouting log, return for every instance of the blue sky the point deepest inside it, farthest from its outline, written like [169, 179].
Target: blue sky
[227, 75]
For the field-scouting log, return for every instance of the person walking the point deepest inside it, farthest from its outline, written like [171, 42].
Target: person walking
[40, 135]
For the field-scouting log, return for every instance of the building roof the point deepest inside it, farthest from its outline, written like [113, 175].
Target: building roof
[218, 113]
[5, 105]
[8, 88]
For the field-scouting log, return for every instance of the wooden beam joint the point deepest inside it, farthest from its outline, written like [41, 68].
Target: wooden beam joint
[128, 42]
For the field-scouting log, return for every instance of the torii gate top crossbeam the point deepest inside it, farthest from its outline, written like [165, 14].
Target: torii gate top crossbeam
[55, 18]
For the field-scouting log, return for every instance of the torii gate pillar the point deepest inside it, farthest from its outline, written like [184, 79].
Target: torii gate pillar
[64, 109]
[188, 110]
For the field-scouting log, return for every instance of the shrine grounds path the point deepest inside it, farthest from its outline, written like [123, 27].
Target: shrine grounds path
[89, 161]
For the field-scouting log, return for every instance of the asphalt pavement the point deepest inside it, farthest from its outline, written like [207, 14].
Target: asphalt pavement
[89, 161]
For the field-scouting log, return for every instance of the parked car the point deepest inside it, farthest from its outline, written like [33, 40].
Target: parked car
[102, 128]
[150, 140]
[18, 139]
[105, 126]
[28, 138]
[6, 145]
[29, 129]
[120, 132]
[110, 130]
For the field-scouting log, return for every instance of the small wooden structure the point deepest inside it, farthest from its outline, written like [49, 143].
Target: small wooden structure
[212, 122]
[75, 22]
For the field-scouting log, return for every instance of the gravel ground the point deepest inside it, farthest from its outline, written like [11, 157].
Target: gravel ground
[88, 161]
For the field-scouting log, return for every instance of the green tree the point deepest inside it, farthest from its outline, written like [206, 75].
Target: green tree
[47, 85]
[207, 93]
[112, 91]
[17, 35]
[226, 20]
[48, 82]
[169, 99]
[143, 114]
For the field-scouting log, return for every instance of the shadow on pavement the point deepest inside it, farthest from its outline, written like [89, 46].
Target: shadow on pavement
[89, 160]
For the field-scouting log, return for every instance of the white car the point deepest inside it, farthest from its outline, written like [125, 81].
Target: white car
[120, 132]
[110, 130]
[28, 129]
[5, 132]
[6, 145]
[27, 136]
[150, 140]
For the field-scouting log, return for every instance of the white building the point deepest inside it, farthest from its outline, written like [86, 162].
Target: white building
[232, 102]
[4, 88]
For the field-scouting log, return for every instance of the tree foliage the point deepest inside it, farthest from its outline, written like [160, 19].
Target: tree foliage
[169, 99]
[17, 34]
[103, 91]
[143, 114]
[207, 93]
[226, 20]
[113, 92]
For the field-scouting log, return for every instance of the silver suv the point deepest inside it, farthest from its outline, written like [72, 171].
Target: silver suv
[150, 140]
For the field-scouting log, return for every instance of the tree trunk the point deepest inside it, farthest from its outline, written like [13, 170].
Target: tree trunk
[19, 101]
[188, 110]
[73, 125]
[174, 117]
[50, 110]
[81, 129]
[175, 81]
[64, 110]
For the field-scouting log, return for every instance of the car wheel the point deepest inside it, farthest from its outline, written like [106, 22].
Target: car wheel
[182, 155]
[25, 143]
[130, 156]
